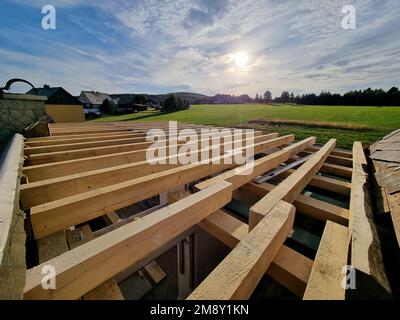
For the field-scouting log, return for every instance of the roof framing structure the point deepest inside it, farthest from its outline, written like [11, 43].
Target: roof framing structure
[88, 171]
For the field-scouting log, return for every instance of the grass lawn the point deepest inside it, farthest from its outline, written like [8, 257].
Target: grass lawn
[346, 124]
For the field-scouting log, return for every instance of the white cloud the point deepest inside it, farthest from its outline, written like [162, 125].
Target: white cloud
[295, 45]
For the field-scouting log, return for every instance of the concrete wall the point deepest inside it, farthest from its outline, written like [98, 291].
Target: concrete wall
[65, 113]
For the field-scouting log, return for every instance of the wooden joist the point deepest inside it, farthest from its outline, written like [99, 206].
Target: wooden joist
[69, 167]
[238, 274]
[327, 278]
[335, 152]
[82, 145]
[39, 192]
[366, 255]
[60, 141]
[121, 248]
[252, 193]
[57, 215]
[326, 183]
[289, 189]
[243, 174]
[337, 170]
[289, 267]
[108, 290]
[107, 141]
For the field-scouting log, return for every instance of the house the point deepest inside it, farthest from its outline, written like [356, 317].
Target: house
[125, 103]
[92, 100]
[61, 106]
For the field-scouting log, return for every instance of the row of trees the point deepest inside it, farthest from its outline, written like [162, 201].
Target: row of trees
[368, 97]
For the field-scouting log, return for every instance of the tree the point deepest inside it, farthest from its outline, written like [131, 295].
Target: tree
[140, 99]
[107, 107]
[257, 99]
[267, 96]
[172, 103]
[285, 97]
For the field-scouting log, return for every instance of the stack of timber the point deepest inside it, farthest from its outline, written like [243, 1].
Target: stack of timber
[297, 218]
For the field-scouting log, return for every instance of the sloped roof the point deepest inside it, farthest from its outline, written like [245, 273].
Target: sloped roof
[93, 97]
[123, 98]
[55, 95]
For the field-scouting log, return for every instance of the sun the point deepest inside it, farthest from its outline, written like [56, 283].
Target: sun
[241, 59]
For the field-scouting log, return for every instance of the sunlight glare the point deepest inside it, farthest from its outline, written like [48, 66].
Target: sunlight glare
[241, 59]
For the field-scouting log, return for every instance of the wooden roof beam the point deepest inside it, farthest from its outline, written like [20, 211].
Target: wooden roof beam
[238, 274]
[84, 268]
[57, 215]
[53, 189]
[326, 278]
[289, 189]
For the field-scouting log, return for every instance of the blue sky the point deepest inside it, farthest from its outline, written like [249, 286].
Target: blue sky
[165, 46]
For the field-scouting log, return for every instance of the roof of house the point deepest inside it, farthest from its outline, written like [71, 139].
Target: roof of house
[55, 95]
[93, 97]
[123, 98]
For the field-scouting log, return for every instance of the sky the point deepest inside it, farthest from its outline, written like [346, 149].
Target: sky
[203, 46]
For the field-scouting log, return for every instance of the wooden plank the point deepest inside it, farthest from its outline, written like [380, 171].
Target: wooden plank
[106, 141]
[39, 192]
[108, 290]
[69, 167]
[309, 206]
[42, 143]
[279, 171]
[155, 271]
[289, 268]
[342, 161]
[242, 175]
[366, 255]
[238, 274]
[93, 151]
[82, 145]
[337, 170]
[113, 217]
[67, 140]
[52, 246]
[335, 152]
[289, 189]
[80, 136]
[57, 215]
[84, 268]
[75, 132]
[326, 183]
[326, 276]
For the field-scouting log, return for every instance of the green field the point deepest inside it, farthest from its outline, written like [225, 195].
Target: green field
[346, 124]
